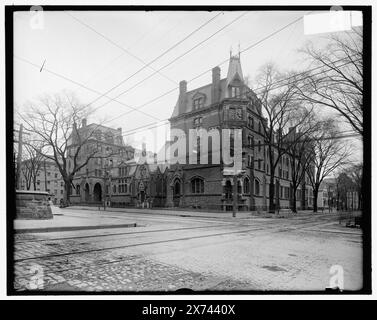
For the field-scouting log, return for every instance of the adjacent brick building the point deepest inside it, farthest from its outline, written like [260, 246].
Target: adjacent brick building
[91, 183]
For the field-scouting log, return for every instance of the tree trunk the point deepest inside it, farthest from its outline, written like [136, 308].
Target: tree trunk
[272, 195]
[293, 197]
[315, 199]
[66, 195]
[303, 196]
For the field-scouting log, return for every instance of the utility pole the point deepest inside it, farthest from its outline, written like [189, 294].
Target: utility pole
[235, 195]
[19, 157]
[44, 167]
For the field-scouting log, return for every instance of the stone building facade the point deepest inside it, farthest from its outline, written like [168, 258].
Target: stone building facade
[91, 184]
[225, 103]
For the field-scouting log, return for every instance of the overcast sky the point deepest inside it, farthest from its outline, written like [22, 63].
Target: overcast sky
[77, 52]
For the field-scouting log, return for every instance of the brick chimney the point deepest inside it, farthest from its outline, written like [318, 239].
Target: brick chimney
[182, 96]
[215, 92]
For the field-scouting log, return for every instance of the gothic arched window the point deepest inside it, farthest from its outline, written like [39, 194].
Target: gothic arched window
[257, 187]
[197, 185]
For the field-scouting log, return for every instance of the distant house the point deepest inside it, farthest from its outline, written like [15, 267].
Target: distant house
[327, 194]
[47, 178]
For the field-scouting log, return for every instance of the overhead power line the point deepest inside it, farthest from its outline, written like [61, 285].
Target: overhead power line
[205, 72]
[82, 86]
[171, 90]
[283, 81]
[117, 45]
[158, 57]
[174, 60]
[151, 30]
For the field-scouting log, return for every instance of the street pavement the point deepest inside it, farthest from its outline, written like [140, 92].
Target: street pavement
[169, 252]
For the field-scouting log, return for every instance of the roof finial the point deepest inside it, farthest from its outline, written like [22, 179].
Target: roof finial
[239, 50]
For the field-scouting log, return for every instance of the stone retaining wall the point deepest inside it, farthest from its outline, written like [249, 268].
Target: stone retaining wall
[32, 205]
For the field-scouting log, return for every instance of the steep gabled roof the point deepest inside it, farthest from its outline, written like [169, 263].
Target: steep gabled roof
[234, 70]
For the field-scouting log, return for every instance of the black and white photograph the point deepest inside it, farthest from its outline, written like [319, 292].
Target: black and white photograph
[188, 150]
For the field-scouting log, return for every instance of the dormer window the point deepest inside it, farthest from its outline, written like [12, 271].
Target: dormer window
[198, 100]
[198, 103]
[235, 92]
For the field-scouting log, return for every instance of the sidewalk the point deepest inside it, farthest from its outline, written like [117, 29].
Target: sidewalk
[170, 212]
[186, 213]
[70, 223]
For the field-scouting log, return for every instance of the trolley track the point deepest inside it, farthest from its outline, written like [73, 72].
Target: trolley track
[277, 228]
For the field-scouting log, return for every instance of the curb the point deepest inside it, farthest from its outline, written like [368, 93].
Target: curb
[165, 214]
[74, 228]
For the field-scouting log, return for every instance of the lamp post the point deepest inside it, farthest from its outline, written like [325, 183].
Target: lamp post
[235, 195]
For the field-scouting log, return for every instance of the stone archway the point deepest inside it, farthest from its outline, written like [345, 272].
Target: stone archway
[97, 192]
[177, 192]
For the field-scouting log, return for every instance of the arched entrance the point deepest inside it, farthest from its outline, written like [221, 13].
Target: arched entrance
[176, 192]
[97, 193]
[86, 197]
[142, 191]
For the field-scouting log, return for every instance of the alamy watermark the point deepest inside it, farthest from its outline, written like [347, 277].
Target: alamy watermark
[199, 146]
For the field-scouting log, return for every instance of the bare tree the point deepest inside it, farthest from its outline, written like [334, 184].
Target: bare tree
[356, 175]
[300, 152]
[31, 164]
[54, 122]
[337, 81]
[329, 154]
[282, 113]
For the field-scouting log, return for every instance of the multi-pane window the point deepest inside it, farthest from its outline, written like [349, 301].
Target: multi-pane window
[122, 186]
[198, 103]
[197, 185]
[235, 92]
[198, 121]
[249, 160]
[228, 190]
[286, 192]
[122, 171]
[246, 186]
[250, 141]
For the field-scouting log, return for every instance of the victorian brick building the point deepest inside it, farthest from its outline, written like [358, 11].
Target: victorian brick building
[225, 103]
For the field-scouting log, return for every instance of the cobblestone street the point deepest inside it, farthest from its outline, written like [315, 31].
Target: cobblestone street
[170, 253]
